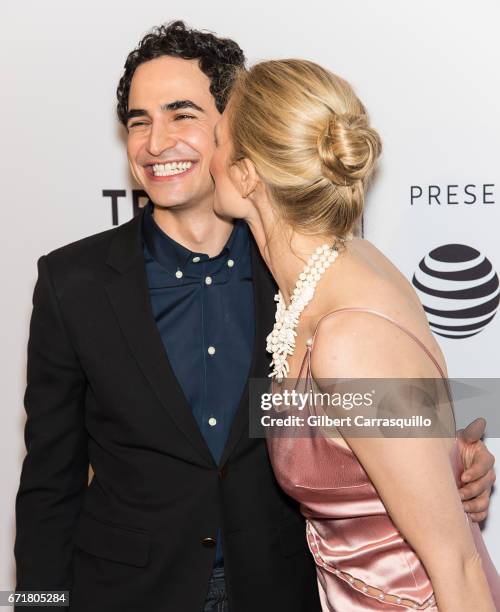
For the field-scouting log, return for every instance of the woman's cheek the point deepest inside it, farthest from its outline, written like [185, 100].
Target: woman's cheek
[215, 167]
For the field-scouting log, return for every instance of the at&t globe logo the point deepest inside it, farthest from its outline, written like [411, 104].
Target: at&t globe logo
[459, 290]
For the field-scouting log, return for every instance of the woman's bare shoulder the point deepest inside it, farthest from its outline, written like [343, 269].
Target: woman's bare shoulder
[374, 336]
[359, 344]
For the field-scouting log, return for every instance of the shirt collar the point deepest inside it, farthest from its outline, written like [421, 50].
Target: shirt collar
[174, 257]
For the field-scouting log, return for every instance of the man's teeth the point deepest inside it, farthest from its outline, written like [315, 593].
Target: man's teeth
[171, 168]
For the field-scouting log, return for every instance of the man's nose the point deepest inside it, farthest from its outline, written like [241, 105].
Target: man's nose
[160, 138]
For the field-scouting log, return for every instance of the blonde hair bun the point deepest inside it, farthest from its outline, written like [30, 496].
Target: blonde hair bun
[348, 149]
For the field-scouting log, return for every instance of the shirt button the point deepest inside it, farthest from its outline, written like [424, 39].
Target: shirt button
[208, 280]
[208, 542]
[230, 263]
[196, 259]
[211, 350]
[212, 421]
[178, 274]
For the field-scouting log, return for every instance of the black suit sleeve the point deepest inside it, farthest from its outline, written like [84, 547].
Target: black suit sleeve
[54, 474]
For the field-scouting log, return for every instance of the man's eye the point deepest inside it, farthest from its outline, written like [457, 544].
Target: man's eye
[136, 123]
[184, 116]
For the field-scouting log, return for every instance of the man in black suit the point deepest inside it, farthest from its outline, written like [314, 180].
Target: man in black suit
[142, 342]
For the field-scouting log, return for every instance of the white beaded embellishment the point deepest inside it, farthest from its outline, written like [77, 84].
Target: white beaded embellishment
[281, 341]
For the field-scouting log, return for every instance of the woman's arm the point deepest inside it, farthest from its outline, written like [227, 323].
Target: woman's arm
[413, 476]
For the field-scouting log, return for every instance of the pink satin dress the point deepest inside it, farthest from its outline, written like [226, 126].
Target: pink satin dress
[362, 561]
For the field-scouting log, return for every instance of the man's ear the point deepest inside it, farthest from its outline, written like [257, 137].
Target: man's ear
[245, 177]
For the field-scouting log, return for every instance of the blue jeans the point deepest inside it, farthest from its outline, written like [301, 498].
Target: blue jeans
[216, 600]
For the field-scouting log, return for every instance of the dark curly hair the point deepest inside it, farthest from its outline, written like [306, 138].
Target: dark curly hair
[218, 58]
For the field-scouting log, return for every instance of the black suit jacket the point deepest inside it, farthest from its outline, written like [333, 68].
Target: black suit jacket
[100, 389]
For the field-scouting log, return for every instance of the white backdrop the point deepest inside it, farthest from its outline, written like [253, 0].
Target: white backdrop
[427, 71]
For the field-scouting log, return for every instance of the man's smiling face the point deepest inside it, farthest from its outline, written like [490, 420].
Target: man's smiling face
[171, 120]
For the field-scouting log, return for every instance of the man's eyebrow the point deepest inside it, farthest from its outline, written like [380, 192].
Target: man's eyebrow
[136, 112]
[170, 106]
[179, 104]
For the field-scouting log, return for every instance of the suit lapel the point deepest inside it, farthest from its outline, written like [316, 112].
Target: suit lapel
[264, 290]
[129, 297]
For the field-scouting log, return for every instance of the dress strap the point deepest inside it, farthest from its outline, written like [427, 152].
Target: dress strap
[387, 318]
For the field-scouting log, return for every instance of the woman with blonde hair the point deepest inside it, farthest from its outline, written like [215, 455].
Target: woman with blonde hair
[385, 524]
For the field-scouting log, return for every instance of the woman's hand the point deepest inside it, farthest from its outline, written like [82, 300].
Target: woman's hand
[479, 475]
